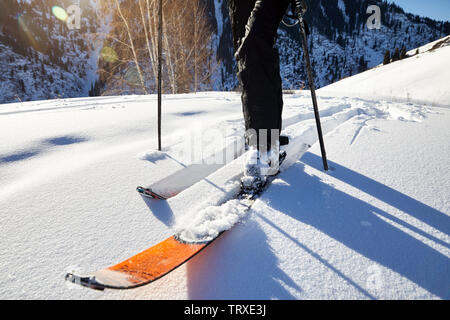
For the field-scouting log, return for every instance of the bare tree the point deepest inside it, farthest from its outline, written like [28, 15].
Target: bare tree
[131, 42]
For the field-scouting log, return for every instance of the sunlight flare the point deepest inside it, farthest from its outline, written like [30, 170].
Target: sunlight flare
[60, 13]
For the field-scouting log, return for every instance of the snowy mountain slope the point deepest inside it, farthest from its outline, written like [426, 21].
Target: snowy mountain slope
[341, 44]
[40, 57]
[412, 80]
[376, 226]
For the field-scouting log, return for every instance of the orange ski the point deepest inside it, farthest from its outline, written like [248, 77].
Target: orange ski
[143, 268]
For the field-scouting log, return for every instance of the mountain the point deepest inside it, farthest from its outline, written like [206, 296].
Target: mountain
[341, 44]
[41, 58]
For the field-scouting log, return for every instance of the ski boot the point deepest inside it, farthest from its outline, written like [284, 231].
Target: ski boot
[258, 167]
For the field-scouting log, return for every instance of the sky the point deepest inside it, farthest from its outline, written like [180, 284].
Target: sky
[435, 9]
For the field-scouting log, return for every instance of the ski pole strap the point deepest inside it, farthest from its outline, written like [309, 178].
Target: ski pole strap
[300, 7]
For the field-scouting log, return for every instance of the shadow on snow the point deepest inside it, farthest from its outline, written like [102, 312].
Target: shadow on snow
[42, 147]
[242, 265]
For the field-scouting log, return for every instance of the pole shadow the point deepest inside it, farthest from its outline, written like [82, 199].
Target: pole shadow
[40, 148]
[416, 209]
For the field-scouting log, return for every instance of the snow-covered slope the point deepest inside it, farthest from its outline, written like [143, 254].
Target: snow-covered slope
[376, 225]
[417, 79]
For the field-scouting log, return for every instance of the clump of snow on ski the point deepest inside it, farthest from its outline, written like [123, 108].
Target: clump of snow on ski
[211, 221]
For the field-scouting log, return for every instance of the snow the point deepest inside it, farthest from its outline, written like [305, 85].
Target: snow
[152, 156]
[417, 79]
[211, 221]
[376, 226]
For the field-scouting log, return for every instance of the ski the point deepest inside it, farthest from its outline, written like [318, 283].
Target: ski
[182, 179]
[143, 268]
[164, 257]
[173, 184]
[149, 193]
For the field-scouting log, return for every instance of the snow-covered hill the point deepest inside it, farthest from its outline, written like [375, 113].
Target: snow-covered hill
[412, 80]
[376, 226]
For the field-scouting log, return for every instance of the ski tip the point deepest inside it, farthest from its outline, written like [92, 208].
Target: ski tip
[146, 192]
[85, 281]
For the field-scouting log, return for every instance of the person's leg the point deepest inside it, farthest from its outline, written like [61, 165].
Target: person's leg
[258, 62]
[240, 11]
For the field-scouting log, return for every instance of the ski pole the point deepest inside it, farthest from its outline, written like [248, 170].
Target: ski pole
[159, 73]
[300, 10]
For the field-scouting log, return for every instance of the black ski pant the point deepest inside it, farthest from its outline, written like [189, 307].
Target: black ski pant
[254, 26]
